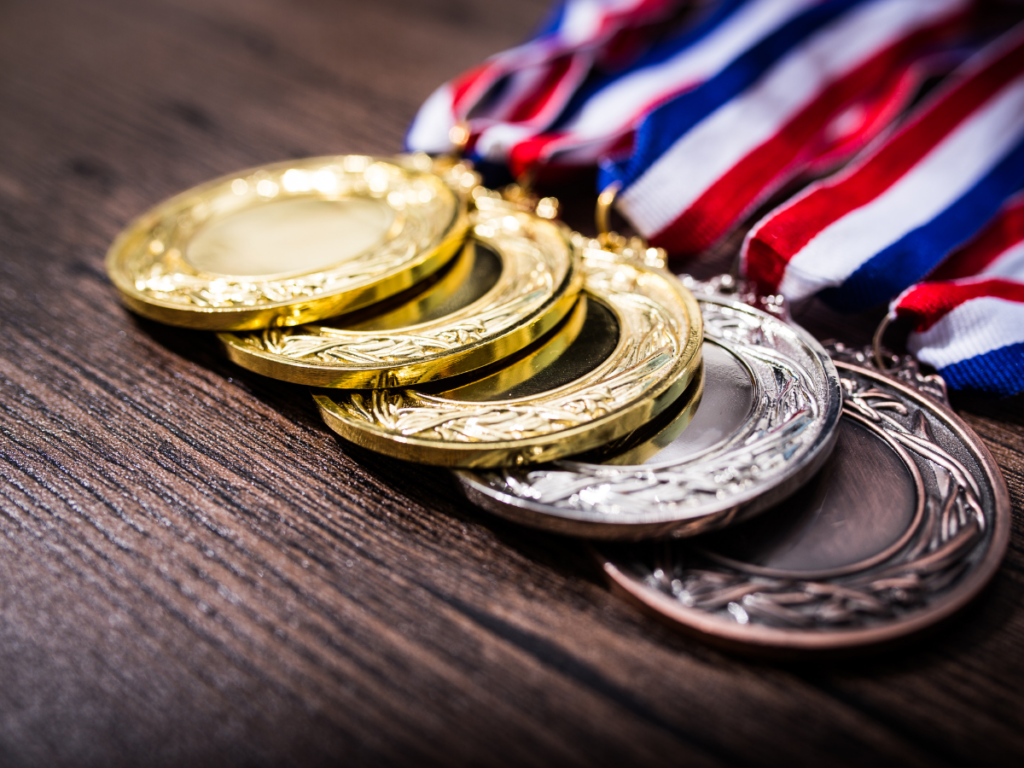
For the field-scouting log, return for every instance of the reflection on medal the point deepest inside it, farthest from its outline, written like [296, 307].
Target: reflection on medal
[767, 421]
[515, 280]
[632, 348]
[906, 522]
[292, 242]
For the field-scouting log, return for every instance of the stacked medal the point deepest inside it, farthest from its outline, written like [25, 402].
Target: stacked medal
[443, 323]
[742, 481]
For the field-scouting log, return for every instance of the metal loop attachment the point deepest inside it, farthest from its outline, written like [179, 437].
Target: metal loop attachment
[602, 213]
[633, 249]
[876, 343]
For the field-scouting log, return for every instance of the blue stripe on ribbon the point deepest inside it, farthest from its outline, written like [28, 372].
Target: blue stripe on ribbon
[912, 257]
[552, 22]
[999, 372]
[663, 126]
[658, 54]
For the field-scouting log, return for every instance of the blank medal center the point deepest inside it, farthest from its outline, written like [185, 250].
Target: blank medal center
[291, 236]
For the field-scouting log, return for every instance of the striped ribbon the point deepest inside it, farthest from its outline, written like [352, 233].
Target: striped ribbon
[602, 115]
[704, 160]
[700, 128]
[969, 317]
[872, 230]
[531, 84]
[937, 200]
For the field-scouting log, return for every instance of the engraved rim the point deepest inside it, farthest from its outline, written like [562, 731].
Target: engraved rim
[147, 265]
[539, 281]
[656, 356]
[789, 433]
[953, 552]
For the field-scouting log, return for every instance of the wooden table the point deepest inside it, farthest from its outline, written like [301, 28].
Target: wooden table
[194, 571]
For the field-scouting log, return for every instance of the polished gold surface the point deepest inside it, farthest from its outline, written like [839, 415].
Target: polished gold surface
[537, 283]
[644, 444]
[293, 242]
[636, 352]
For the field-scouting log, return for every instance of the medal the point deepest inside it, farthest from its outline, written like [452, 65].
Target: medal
[642, 334]
[767, 421]
[292, 242]
[520, 272]
[449, 324]
[906, 522]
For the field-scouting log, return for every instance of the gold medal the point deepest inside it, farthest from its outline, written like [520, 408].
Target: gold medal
[643, 444]
[631, 355]
[519, 272]
[293, 242]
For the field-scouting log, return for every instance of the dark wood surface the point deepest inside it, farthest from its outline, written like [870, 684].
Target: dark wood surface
[194, 571]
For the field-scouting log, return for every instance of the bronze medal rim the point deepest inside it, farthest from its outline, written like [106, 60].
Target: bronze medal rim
[513, 337]
[760, 638]
[559, 442]
[294, 310]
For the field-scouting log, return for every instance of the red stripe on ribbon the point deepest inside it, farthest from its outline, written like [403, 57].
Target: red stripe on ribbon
[792, 227]
[853, 128]
[789, 152]
[533, 104]
[927, 303]
[469, 87]
[1004, 232]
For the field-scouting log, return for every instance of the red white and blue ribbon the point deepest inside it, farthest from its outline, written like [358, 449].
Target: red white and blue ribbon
[703, 161]
[531, 83]
[601, 116]
[969, 318]
[751, 96]
[884, 223]
[972, 331]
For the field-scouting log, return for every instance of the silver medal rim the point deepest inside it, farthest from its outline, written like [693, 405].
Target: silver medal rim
[788, 434]
[979, 562]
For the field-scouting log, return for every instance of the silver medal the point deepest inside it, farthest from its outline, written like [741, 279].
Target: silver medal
[767, 421]
[904, 524]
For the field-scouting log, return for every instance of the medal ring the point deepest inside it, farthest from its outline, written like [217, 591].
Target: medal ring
[288, 243]
[537, 283]
[653, 359]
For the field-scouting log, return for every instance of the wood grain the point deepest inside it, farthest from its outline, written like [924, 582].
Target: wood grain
[193, 570]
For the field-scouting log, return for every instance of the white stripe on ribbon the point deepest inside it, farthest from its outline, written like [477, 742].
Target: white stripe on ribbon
[707, 152]
[974, 328]
[582, 21]
[431, 126]
[941, 178]
[614, 109]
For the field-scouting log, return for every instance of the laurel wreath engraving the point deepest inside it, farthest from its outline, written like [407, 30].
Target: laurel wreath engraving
[621, 380]
[626, 383]
[380, 349]
[935, 557]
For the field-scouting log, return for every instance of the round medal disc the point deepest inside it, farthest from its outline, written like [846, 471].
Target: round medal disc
[904, 524]
[636, 351]
[537, 283]
[766, 423]
[290, 243]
